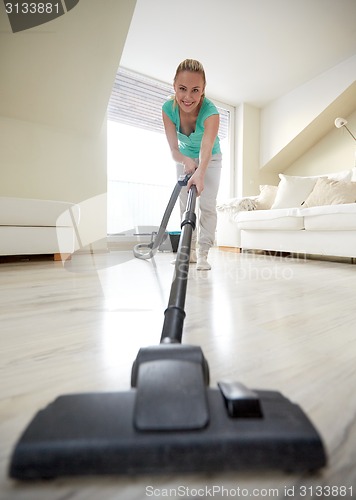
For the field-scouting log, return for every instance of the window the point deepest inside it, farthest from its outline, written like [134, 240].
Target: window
[141, 172]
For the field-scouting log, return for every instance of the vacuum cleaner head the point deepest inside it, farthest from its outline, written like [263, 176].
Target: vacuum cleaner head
[92, 434]
[170, 420]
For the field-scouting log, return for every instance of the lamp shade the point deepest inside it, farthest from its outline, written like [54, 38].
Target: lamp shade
[340, 122]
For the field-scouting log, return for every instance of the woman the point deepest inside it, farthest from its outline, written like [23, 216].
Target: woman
[191, 123]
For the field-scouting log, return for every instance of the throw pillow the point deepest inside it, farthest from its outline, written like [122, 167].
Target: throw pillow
[344, 175]
[330, 192]
[266, 198]
[293, 190]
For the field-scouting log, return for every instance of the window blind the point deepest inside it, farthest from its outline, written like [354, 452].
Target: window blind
[137, 101]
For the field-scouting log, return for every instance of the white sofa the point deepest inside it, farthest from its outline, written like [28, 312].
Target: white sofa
[302, 215]
[33, 227]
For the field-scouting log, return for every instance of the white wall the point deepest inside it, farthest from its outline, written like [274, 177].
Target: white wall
[285, 118]
[334, 152]
[247, 127]
[55, 84]
[40, 161]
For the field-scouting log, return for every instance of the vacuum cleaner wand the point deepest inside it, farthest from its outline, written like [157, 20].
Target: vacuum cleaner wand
[170, 421]
[174, 315]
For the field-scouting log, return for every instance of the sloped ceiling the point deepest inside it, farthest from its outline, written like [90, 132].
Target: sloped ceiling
[310, 135]
[253, 51]
[61, 73]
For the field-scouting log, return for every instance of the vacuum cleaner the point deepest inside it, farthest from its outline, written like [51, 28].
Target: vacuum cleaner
[148, 250]
[170, 421]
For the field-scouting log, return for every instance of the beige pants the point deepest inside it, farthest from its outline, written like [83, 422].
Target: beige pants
[204, 235]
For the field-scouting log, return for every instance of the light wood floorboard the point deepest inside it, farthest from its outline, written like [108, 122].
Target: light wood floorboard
[269, 322]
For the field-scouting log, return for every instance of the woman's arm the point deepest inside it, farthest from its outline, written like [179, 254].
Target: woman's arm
[171, 134]
[211, 128]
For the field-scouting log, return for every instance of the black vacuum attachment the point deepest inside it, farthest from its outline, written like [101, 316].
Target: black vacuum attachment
[170, 421]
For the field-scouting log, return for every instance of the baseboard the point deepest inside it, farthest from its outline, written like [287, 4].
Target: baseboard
[230, 249]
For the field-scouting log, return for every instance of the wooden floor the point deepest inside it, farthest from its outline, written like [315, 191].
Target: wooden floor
[269, 322]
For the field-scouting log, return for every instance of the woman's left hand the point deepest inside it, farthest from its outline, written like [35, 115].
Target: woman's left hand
[197, 179]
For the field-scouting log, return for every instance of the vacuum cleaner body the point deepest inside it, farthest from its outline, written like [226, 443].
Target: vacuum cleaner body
[170, 421]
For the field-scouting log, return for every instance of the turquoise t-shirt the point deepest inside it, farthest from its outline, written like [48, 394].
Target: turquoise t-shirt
[190, 145]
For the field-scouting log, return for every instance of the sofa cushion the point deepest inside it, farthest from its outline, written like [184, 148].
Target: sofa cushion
[330, 217]
[343, 175]
[279, 219]
[293, 190]
[331, 192]
[35, 212]
[265, 199]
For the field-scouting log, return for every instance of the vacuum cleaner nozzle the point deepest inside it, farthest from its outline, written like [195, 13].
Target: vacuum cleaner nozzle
[101, 433]
[170, 421]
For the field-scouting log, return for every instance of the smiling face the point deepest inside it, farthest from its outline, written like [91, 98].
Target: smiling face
[189, 88]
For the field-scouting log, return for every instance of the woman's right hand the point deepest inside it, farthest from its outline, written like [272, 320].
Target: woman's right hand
[189, 166]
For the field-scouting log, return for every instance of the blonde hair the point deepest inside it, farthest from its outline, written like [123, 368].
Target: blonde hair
[190, 65]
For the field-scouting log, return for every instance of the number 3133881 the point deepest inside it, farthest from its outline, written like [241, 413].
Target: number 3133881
[32, 8]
